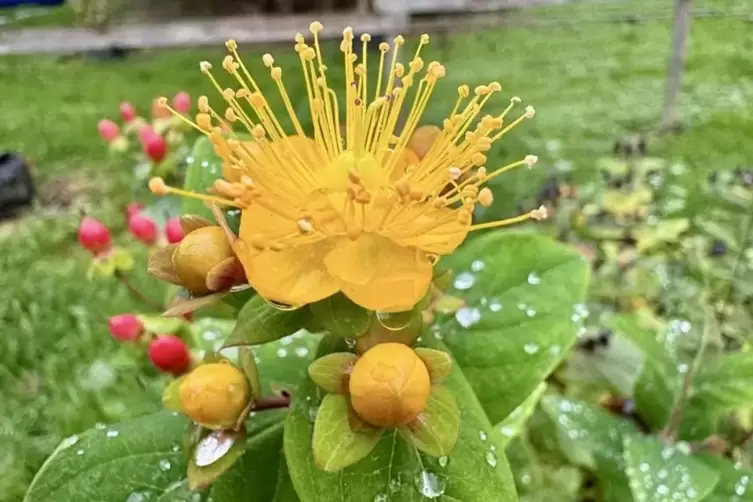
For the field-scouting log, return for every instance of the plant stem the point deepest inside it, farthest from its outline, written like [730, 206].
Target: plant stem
[675, 416]
[271, 403]
[136, 292]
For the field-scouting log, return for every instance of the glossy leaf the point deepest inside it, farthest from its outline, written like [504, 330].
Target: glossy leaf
[657, 471]
[437, 362]
[212, 456]
[282, 364]
[512, 426]
[734, 480]
[476, 470]
[204, 168]
[335, 444]
[171, 396]
[341, 317]
[726, 382]
[160, 325]
[259, 322]
[330, 372]
[435, 431]
[522, 295]
[142, 456]
[247, 363]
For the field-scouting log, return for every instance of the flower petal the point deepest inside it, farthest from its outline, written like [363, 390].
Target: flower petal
[379, 274]
[423, 139]
[293, 276]
[430, 230]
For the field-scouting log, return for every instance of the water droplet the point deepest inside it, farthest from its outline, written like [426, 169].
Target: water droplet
[507, 431]
[301, 351]
[213, 447]
[282, 306]
[555, 349]
[286, 340]
[662, 490]
[164, 465]
[210, 336]
[691, 492]
[100, 426]
[464, 280]
[69, 441]
[189, 160]
[282, 352]
[531, 348]
[530, 312]
[526, 479]
[644, 467]
[79, 452]
[430, 485]
[534, 279]
[443, 461]
[176, 447]
[395, 321]
[495, 306]
[313, 411]
[468, 316]
[662, 474]
[204, 163]
[396, 484]
[478, 265]
[112, 434]
[482, 435]
[381, 497]
[491, 459]
[350, 343]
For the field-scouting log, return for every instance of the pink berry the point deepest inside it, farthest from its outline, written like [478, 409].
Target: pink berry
[182, 102]
[133, 208]
[108, 130]
[94, 235]
[145, 133]
[174, 230]
[125, 327]
[127, 111]
[155, 147]
[170, 354]
[143, 228]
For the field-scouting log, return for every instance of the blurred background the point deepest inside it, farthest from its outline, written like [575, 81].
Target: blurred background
[677, 74]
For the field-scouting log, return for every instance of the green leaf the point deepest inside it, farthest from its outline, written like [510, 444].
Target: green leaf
[437, 362]
[340, 316]
[109, 464]
[259, 322]
[282, 364]
[212, 456]
[171, 395]
[657, 471]
[247, 362]
[521, 315]
[726, 382]
[159, 324]
[209, 333]
[734, 480]
[330, 372]
[252, 478]
[512, 426]
[335, 444]
[436, 429]
[475, 471]
[203, 170]
[591, 438]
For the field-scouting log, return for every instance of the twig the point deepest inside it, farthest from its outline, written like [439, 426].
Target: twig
[137, 293]
[675, 416]
[271, 403]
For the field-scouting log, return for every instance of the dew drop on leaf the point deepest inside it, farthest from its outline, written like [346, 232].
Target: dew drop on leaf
[396, 484]
[464, 280]
[312, 413]
[531, 348]
[69, 441]
[164, 465]
[507, 431]
[286, 340]
[443, 461]
[468, 316]
[478, 265]
[430, 485]
[282, 352]
[530, 312]
[212, 447]
[495, 306]
[79, 452]
[138, 497]
[482, 435]
[381, 497]
[301, 351]
[534, 279]
[491, 459]
[112, 434]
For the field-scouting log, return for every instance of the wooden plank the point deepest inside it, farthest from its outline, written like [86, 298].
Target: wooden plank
[188, 33]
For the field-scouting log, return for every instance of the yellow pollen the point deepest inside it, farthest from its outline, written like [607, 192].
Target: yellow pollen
[485, 197]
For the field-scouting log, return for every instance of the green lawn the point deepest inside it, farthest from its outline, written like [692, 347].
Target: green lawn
[588, 83]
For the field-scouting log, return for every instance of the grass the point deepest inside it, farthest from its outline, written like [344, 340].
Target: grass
[589, 83]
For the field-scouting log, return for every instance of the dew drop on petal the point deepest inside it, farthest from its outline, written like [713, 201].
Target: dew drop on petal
[464, 280]
[468, 316]
[478, 265]
[213, 447]
[430, 485]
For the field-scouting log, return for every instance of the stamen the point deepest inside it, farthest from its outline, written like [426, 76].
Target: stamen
[157, 186]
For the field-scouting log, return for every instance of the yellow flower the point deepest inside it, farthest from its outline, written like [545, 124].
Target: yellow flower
[357, 204]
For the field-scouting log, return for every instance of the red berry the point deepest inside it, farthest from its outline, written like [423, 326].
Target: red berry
[155, 147]
[143, 228]
[174, 230]
[125, 327]
[133, 208]
[182, 102]
[170, 354]
[94, 235]
[127, 111]
[108, 130]
[145, 133]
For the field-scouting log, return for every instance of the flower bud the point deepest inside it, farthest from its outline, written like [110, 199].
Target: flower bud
[143, 228]
[199, 252]
[155, 147]
[94, 235]
[125, 327]
[182, 102]
[389, 385]
[169, 354]
[108, 130]
[127, 111]
[215, 395]
[174, 230]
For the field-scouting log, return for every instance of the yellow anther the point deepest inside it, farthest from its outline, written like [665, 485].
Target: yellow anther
[365, 37]
[204, 121]
[316, 27]
[276, 73]
[399, 40]
[481, 90]
[539, 214]
[530, 112]
[478, 159]
[205, 66]
[485, 197]
[424, 38]
[384, 46]
[227, 64]
[230, 115]
[203, 103]
[399, 70]
[530, 160]
[231, 45]
[481, 173]
[242, 93]
[299, 38]
[416, 65]
[495, 87]
[268, 60]
[455, 173]
[157, 186]
[515, 99]
[259, 132]
[228, 94]
[464, 91]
